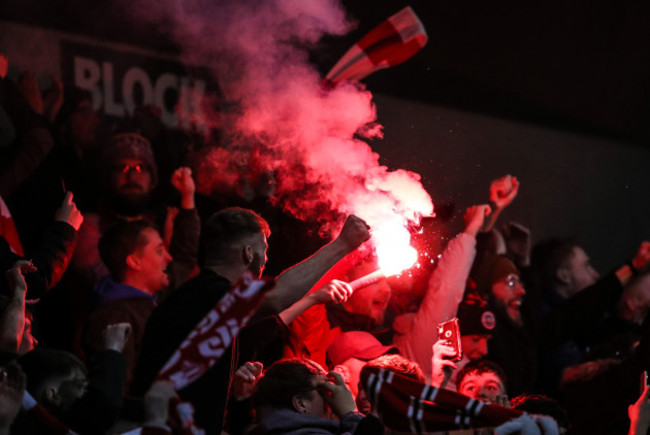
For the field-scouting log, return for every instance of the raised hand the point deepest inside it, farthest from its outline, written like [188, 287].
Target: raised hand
[337, 395]
[246, 378]
[441, 366]
[69, 213]
[183, 182]
[116, 335]
[503, 191]
[156, 402]
[16, 276]
[355, 231]
[642, 256]
[475, 217]
[334, 291]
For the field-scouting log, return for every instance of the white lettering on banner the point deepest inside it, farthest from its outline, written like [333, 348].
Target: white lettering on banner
[110, 107]
[86, 76]
[100, 81]
[165, 82]
[206, 324]
[250, 290]
[216, 345]
[226, 302]
[132, 77]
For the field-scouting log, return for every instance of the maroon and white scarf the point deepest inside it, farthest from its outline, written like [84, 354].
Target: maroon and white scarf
[409, 406]
[214, 334]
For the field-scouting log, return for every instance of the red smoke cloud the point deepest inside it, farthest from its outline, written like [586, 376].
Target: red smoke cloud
[312, 138]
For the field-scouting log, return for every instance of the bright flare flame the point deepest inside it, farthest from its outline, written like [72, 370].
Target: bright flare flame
[394, 252]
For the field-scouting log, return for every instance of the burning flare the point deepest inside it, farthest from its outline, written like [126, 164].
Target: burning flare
[394, 251]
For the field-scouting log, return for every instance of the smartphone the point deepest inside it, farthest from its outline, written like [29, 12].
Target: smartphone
[644, 381]
[450, 333]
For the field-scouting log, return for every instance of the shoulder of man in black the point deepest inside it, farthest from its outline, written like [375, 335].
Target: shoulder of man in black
[172, 321]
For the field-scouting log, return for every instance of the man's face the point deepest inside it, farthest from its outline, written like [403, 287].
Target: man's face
[371, 301]
[474, 346]
[129, 187]
[153, 260]
[508, 294]
[581, 273]
[259, 247]
[71, 389]
[130, 177]
[313, 401]
[486, 386]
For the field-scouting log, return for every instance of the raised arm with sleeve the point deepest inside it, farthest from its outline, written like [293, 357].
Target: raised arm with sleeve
[12, 319]
[444, 292]
[580, 312]
[295, 282]
[502, 192]
[184, 245]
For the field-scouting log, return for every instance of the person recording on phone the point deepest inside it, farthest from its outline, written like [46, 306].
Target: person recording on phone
[476, 323]
[444, 292]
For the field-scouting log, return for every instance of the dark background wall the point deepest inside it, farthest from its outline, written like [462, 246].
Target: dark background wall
[571, 184]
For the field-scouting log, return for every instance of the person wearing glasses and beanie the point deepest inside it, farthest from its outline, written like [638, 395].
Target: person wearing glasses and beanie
[519, 338]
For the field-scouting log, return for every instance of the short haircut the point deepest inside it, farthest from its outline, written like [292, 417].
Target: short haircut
[228, 227]
[119, 242]
[480, 366]
[283, 380]
[540, 404]
[398, 364]
[41, 365]
[546, 258]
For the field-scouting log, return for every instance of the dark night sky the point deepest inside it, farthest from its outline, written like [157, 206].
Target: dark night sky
[580, 65]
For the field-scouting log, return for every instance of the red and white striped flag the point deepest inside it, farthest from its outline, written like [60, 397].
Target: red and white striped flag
[392, 42]
[214, 334]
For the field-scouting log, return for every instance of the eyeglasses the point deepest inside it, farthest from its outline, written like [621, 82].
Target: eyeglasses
[512, 280]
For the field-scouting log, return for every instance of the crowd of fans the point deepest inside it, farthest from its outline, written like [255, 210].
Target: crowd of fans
[117, 249]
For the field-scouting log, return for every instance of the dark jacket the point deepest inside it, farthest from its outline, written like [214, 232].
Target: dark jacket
[289, 422]
[51, 257]
[169, 325]
[516, 348]
[119, 303]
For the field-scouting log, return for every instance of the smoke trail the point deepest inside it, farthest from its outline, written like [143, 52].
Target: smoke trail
[310, 137]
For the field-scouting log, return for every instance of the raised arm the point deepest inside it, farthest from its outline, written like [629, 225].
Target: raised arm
[582, 311]
[54, 252]
[295, 282]
[502, 192]
[334, 291]
[12, 322]
[444, 292]
[185, 231]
